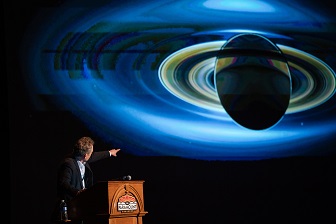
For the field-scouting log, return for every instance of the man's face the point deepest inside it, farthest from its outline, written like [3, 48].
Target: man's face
[88, 155]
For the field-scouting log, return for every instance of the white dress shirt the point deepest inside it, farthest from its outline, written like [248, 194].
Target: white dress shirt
[82, 170]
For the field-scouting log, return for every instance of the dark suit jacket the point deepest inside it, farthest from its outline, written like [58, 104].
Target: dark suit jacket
[69, 180]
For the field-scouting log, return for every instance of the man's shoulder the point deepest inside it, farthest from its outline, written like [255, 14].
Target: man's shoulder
[68, 161]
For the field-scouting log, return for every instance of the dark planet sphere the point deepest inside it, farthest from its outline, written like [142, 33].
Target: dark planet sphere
[253, 81]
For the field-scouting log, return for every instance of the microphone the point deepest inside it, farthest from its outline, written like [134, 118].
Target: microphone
[128, 177]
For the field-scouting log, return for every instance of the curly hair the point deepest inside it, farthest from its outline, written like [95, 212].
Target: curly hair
[83, 146]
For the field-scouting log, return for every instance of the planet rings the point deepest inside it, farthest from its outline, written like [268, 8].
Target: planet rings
[313, 80]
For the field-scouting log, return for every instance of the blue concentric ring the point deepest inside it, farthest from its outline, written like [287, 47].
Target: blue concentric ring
[141, 75]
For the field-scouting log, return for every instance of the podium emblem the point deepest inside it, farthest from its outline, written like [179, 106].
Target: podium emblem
[127, 203]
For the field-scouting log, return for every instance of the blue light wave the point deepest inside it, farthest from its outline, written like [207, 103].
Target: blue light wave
[104, 64]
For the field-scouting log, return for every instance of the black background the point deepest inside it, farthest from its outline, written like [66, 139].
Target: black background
[176, 190]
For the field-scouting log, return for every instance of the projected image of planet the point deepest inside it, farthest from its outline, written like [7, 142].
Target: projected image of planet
[253, 81]
[192, 79]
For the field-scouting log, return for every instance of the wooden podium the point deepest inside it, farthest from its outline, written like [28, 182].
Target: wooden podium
[110, 202]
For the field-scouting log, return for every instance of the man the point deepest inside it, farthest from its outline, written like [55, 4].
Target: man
[74, 173]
